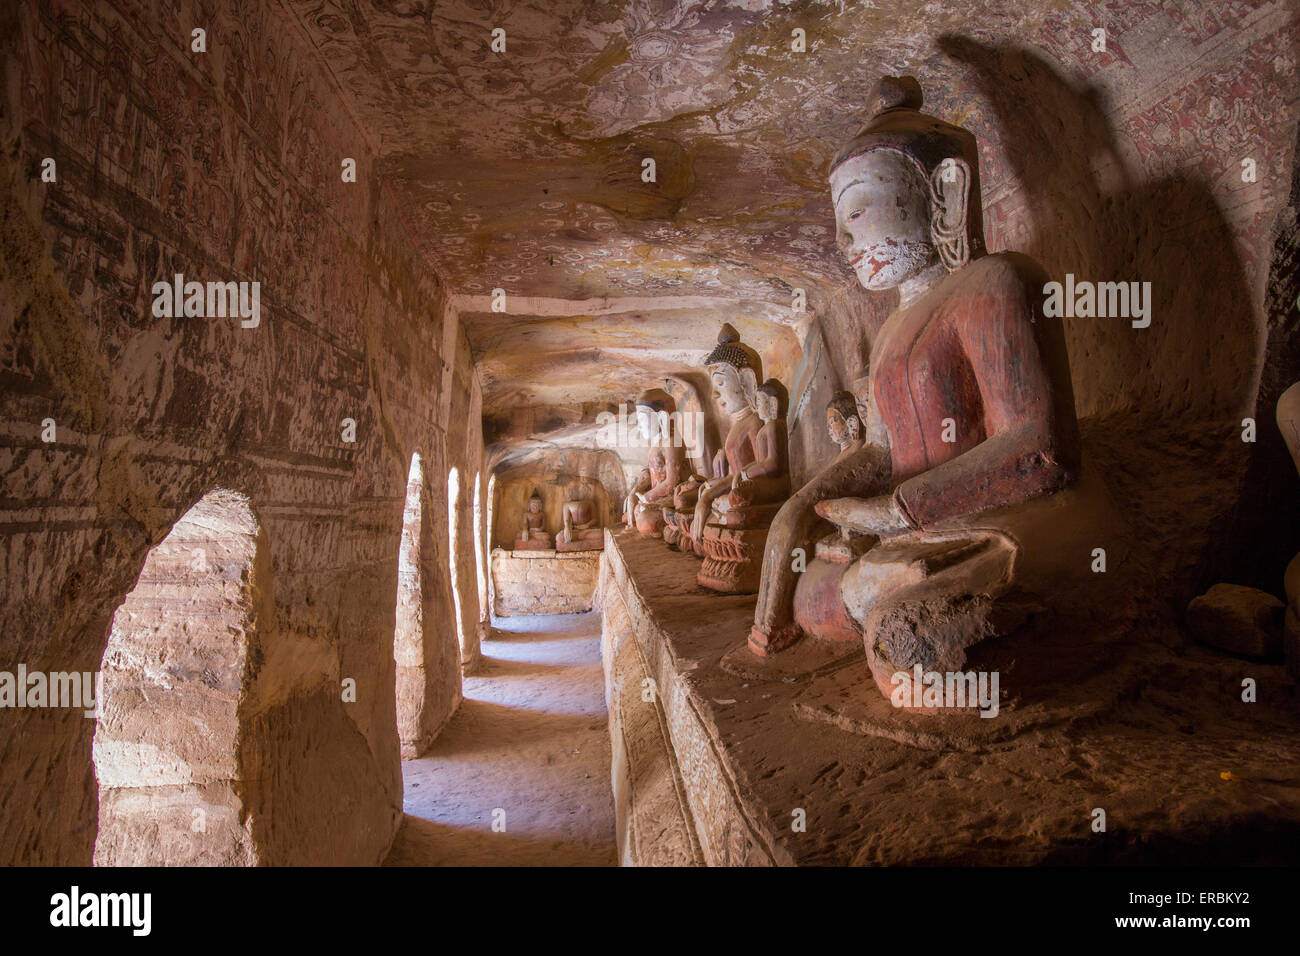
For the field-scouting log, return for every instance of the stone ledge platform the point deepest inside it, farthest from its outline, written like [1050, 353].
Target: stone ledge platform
[543, 581]
[711, 767]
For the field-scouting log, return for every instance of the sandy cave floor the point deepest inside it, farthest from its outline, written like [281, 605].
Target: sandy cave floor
[531, 738]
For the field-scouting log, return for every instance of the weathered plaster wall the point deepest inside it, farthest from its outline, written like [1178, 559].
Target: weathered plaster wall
[543, 582]
[465, 443]
[425, 649]
[166, 657]
[676, 795]
[220, 166]
[655, 823]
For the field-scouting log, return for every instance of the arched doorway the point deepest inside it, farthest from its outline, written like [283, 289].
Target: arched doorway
[168, 749]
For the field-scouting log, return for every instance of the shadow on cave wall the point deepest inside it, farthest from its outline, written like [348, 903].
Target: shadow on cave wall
[1271, 502]
[1160, 408]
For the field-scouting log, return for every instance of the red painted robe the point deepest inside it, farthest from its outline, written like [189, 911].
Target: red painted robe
[977, 350]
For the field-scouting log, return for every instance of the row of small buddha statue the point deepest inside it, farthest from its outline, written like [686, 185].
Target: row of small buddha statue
[722, 518]
[725, 518]
[581, 529]
[957, 452]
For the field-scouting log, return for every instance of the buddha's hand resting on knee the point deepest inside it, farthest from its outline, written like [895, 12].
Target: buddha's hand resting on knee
[877, 515]
[742, 492]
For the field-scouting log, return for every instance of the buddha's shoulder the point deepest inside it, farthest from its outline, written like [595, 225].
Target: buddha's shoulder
[1006, 270]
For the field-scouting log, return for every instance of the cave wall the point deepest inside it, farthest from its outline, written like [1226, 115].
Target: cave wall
[463, 409]
[223, 166]
[543, 582]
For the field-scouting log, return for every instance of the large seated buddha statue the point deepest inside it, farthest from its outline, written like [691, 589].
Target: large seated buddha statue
[582, 530]
[733, 511]
[666, 463]
[967, 413]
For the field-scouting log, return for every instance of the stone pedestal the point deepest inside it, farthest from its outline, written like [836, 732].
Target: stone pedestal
[817, 596]
[1239, 620]
[535, 543]
[677, 529]
[543, 582]
[589, 540]
[733, 547]
[671, 532]
[733, 559]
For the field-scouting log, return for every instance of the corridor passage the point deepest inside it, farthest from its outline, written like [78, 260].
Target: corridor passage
[528, 748]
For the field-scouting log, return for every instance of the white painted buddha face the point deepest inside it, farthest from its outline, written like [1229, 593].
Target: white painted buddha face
[882, 218]
[728, 390]
[842, 430]
[645, 421]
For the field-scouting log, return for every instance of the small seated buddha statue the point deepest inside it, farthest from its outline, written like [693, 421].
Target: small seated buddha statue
[533, 536]
[646, 517]
[681, 517]
[842, 422]
[844, 426]
[731, 531]
[968, 419]
[767, 477]
[666, 463]
[582, 530]
[733, 369]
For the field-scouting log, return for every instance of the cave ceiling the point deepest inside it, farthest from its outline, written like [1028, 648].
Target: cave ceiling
[523, 171]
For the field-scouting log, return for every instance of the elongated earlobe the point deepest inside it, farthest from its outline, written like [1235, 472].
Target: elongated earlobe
[949, 194]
